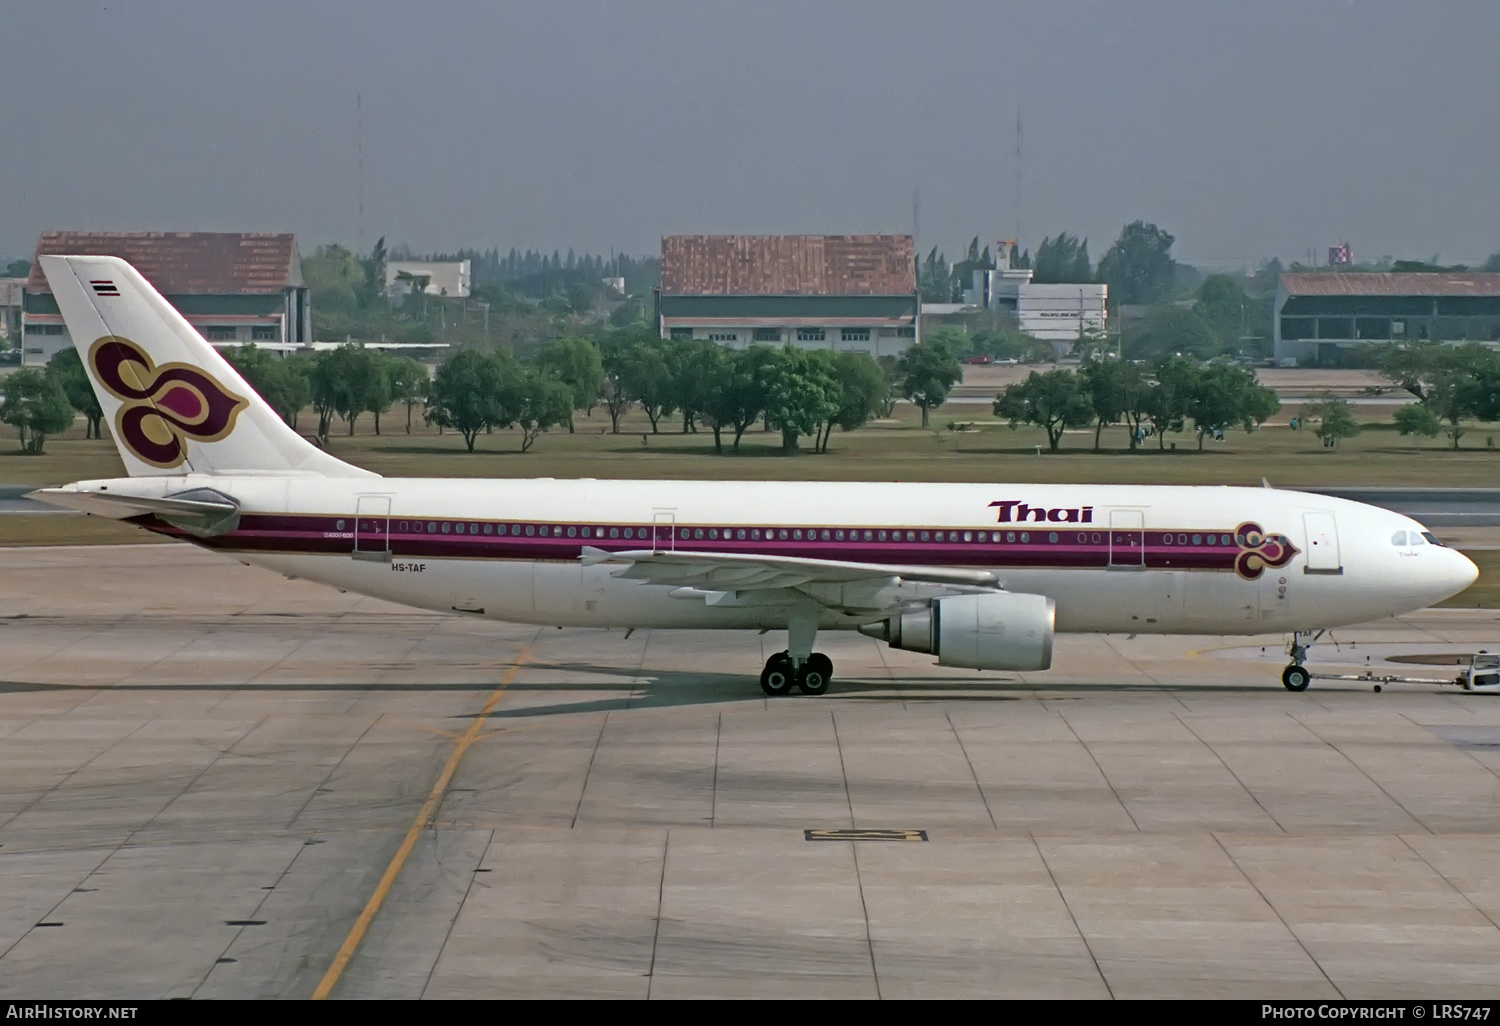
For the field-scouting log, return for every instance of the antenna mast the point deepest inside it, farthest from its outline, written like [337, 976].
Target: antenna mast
[1018, 174]
[359, 157]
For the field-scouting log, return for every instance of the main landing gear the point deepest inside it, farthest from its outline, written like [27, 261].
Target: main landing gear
[782, 673]
[799, 666]
[1295, 677]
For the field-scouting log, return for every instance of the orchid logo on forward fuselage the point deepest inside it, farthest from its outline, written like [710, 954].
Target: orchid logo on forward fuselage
[161, 407]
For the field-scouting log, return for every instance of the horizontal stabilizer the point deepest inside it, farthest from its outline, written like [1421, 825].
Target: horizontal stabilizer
[202, 511]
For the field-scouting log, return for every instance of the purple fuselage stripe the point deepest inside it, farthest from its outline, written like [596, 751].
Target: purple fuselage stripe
[330, 535]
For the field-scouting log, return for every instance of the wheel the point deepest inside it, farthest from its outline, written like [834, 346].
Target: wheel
[814, 676]
[778, 676]
[1295, 678]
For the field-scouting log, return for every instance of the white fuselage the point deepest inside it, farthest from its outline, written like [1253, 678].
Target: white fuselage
[1114, 558]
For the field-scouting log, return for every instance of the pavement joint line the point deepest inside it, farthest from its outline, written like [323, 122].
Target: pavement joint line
[452, 923]
[661, 890]
[865, 910]
[713, 800]
[594, 754]
[1277, 913]
[1486, 766]
[1444, 876]
[839, 744]
[1410, 815]
[331, 771]
[424, 816]
[1103, 775]
[1069, 909]
[71, 773]
[977, 785]
[1215, 752]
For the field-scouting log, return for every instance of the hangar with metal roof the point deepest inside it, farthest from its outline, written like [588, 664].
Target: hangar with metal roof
[234, 287]
[848, 292]
[1318, 314]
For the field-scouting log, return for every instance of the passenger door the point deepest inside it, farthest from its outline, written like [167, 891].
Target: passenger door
[372, 528]
[1322, 544]
[1127, 539]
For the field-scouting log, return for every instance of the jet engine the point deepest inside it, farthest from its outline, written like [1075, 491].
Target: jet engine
[999, 631]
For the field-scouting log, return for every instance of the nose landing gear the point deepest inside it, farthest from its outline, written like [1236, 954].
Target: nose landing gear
[1295, 677]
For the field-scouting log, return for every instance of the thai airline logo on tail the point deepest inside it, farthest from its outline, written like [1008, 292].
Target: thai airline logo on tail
[162, 407]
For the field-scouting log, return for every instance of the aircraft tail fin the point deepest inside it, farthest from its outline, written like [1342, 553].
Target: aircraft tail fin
[175, 405]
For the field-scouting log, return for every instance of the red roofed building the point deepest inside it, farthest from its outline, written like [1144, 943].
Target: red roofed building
[234, 287]
[850, 292]
[1318, 314]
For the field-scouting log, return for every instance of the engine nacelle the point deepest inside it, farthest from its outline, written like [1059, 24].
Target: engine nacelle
[1001, 631]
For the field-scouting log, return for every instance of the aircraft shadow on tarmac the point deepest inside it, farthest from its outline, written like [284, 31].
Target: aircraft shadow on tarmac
[646, 688]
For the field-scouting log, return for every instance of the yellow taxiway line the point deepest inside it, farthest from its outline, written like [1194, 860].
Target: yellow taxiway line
[424, 816]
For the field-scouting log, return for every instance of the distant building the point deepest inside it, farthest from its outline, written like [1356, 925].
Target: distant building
[234, 287]
[437, 277]
[11, 291]
[1060, 314]
[846, 292]
[1318, 314]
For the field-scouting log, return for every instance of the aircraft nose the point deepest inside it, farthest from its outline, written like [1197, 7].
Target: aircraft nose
[1465, 572]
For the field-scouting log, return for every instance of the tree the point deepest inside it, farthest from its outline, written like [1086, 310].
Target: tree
[1224, 394]
[18, 269]
[576, 363]
[534, 403]
[1115, 389]
[1054, 401]
[469, 392]
[1222, 305]
[801, 395]
[691, 367]
[66, 368]
[374, 383]
[1417, 419]
[348, 381]
[1335, 419]
[1491, 264]
[647, 378]
[928, 371]
[862, 393]
[736, 396]
[410, 384]
[1139, 267]
[935, 279]
[1173, 331]
[35, 406]
[1454, 382]
[275, 379]
[1167, 400]
[1063, 260]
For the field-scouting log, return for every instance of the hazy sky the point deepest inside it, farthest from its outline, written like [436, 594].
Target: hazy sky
[1248, 129]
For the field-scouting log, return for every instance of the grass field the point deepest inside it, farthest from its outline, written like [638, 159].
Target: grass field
[982, 449]
[896, 450]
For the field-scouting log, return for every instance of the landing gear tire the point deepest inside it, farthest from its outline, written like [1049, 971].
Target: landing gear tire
[1295, 678]
[778, 676]
[814, 676]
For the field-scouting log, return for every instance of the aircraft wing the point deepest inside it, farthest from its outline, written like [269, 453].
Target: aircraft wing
[745, 572]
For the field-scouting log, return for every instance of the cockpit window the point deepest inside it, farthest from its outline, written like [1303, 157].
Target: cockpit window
[1399, 538]
[1431, 537]
[1416, 539]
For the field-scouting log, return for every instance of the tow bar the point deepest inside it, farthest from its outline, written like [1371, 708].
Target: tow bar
[1482, 675]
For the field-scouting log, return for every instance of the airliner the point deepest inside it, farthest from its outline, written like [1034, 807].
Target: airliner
[979, 576]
